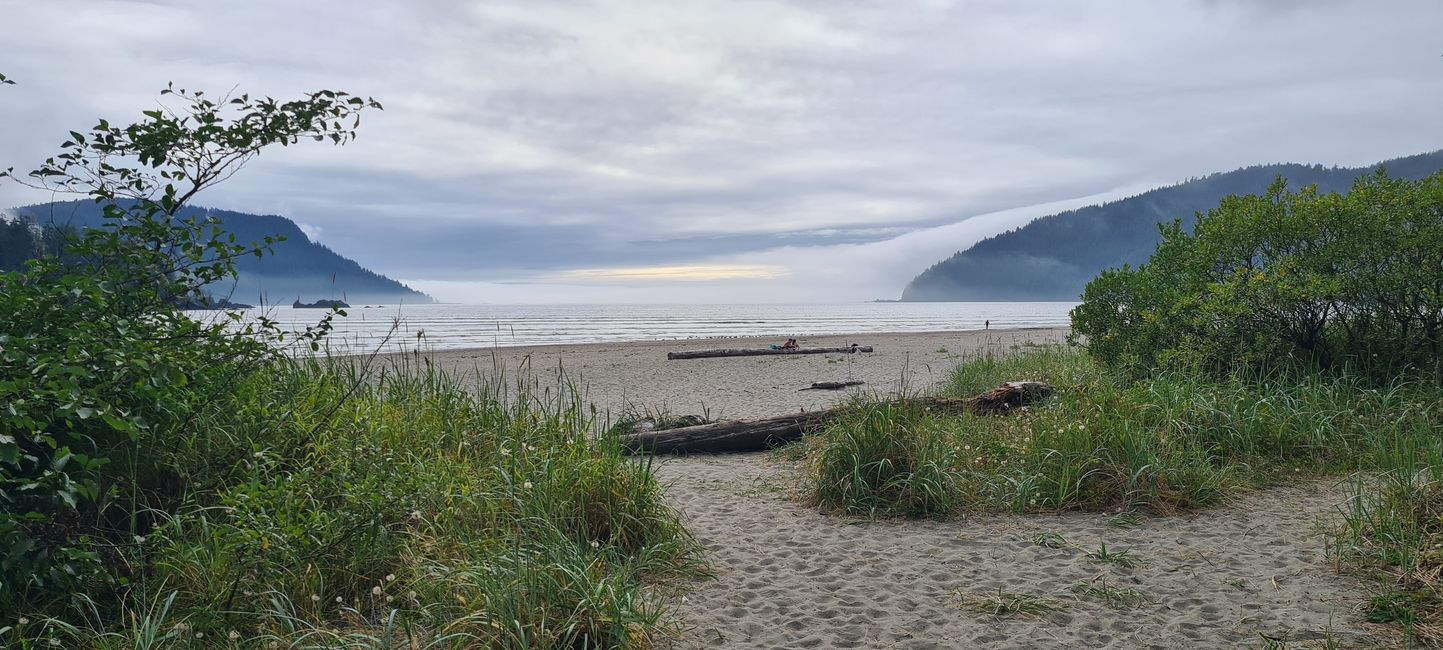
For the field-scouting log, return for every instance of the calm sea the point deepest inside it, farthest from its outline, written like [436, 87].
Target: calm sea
[473, 326]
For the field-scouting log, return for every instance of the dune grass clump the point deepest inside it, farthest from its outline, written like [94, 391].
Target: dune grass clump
[893, 458]
[1392, 529]
[1119, 558]
[1166, 443]
[1005, 604]
[1074, 452]
[324, 508]
[1119, 598]
[1050, 540]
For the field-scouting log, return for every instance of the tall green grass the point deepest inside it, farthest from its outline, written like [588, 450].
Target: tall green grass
[320, 507]
[1171, 442]
[889, 457]
[1392, 529]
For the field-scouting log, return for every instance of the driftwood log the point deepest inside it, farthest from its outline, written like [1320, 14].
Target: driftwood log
[729, 436]
[760, 352]
[1008, 396]
[764, 433]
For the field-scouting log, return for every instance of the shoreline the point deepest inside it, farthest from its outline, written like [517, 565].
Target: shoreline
[636, 376]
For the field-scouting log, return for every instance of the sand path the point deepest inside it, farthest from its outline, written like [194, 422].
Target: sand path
[788, 577]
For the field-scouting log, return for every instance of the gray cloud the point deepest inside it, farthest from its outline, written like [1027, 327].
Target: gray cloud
[526, 138]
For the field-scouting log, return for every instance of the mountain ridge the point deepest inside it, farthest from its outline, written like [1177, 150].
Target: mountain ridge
[1053, 257]
[299, 268]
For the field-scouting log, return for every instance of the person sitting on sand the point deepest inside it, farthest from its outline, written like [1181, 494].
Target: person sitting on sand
[791, 344]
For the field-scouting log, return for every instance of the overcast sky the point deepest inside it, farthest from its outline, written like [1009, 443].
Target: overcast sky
[731, 150]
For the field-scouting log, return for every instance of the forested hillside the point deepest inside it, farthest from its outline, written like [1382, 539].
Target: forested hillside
[300, 268]
[1052, 258]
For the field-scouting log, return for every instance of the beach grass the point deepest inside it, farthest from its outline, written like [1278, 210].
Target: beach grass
[321, 506]
[1113, 596]
[1004, 604]
[1392, 530]
[1170, 443]
[1122, 558]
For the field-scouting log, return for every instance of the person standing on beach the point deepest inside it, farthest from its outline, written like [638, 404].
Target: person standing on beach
[986, 324]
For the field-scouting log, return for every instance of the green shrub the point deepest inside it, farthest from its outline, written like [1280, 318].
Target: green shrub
[1283, 280]
[325, 506]
[96, 358]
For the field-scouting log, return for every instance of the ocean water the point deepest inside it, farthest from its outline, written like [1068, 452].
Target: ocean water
[443, 327]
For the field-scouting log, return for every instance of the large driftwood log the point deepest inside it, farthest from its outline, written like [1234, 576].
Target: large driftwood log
[764, 433]
[759, 352]
[728, 436]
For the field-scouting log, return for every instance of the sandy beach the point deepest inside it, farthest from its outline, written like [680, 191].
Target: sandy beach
[1239, 575]
[789, 577]
[618, 376]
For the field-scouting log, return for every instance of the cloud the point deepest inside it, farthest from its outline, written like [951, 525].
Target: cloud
[312, 232]
[781, 274]
[684, 273]
[527, 141]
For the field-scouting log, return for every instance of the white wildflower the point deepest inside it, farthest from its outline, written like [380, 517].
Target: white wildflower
[233, 635]
[526, 485]
[376, 590]
[595, 544]
[54, 641]
[340, 600]
[390, 577]
[416, 515]
[24, 620]
[315, 598]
